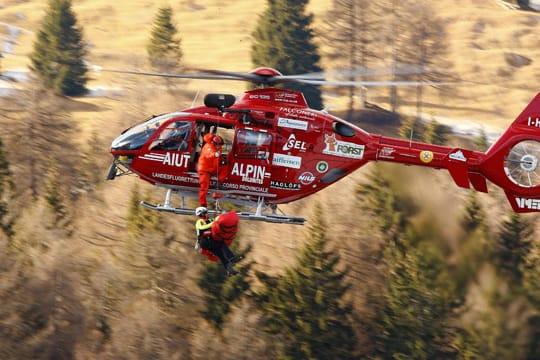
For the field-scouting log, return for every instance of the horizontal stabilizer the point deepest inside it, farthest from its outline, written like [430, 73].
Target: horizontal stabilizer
[478, 181]
[456, 163]
[459, 173]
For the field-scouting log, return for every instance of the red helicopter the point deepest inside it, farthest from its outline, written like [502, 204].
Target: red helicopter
[279, 150]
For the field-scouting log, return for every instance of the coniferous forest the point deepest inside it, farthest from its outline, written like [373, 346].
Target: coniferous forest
[393, 263]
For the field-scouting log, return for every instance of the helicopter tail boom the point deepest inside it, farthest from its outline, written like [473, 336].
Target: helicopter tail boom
[462, 164]
[512, 162]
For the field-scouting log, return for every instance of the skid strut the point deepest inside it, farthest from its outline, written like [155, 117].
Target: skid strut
[258, 215]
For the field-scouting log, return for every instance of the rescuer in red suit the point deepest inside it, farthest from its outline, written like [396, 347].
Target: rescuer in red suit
[208, 164]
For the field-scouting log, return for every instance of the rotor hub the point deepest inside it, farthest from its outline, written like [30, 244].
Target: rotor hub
[529, 162]
[265, 71]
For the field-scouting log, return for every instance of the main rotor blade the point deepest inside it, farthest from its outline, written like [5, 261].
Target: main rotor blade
[209, 75]
[347, 73]
[318, 78]
[375, 83]
[181, 76]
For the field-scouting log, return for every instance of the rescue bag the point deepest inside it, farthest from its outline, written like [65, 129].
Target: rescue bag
[225, 227]
[209, 255]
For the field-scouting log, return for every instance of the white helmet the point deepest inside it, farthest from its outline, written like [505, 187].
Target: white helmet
[201, 211]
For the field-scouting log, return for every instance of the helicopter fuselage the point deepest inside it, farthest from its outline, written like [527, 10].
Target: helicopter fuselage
[277, 147]
[279, 150]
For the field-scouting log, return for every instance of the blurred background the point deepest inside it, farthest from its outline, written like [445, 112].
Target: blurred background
[394, 262]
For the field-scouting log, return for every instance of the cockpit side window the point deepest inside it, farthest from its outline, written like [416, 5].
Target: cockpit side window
[135, 137]
[174, 137]
[253, 144]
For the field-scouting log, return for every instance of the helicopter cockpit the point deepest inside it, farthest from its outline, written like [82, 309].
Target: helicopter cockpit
[134, 138]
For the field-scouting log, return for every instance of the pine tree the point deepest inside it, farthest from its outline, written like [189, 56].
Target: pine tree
[414, 322]
[411, 316]
[474, 246]
[531, 276]
[59, 50]
[164, 51]
[5, 182]
[390, 212]
[437, 133]
[524, 4]
[412, 128]
[491, 336]
[474, 216]
[91, 178]
[531, 279]
[221, 291]
[513, 246]
[140, 218]
[47, 128]
[284, 40]
[496, 332]
[481, 141]
[53, 196]
[305, 307]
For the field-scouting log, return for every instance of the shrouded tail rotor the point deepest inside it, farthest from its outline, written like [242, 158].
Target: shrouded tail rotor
[521, 163]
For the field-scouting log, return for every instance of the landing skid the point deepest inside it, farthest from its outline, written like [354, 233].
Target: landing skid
[258, 215]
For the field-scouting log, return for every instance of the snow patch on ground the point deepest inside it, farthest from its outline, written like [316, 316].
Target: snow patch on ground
[104, 91]
[6, 89]
[464, 127]
[15, 75]
[12, 35]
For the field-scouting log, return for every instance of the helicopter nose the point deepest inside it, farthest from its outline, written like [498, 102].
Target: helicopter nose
[121, 165]
[123, 152]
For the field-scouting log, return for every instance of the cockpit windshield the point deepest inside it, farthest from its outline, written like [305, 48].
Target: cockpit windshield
[135, 137]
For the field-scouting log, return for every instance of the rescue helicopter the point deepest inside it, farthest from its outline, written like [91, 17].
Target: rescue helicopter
[279, 150]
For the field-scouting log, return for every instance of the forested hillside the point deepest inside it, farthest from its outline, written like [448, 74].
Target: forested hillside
[394, 262]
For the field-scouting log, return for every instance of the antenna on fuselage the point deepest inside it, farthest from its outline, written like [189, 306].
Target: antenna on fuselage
[195, 98]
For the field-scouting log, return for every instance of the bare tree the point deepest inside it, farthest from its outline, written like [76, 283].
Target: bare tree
[40, 130]
[417, 38]
[42, 317]
[426, 47]
[351, 32]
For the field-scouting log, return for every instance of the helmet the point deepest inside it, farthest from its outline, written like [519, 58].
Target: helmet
[201, 211]
[218, 140]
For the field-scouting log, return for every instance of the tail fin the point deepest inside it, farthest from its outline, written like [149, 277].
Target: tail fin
[513, 161]
[528, 122]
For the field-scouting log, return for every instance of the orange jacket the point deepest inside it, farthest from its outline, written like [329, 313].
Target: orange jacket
[208, 161]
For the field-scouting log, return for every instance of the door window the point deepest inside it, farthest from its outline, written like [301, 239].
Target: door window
[253, 144]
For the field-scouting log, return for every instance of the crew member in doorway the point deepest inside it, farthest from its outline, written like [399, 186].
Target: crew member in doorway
[208, 164]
